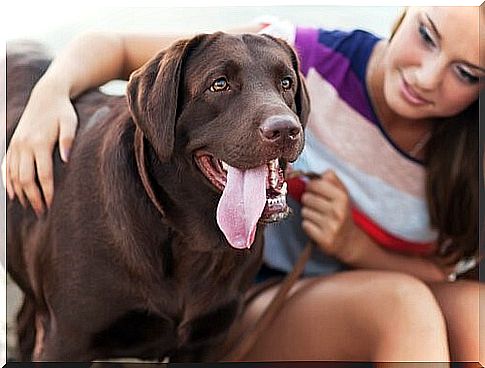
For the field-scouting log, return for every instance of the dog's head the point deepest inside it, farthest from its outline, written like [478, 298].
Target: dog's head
[235, 106]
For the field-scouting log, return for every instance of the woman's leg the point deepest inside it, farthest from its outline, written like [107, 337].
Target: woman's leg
[357, 315]
[459, 302]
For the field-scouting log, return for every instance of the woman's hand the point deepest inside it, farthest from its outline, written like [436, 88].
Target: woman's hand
[327, 220]
[327, 217]
[48, 117]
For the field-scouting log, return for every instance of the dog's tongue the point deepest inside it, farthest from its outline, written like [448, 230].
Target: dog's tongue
[241, 205]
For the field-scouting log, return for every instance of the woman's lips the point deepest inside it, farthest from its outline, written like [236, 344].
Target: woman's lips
[410, 95]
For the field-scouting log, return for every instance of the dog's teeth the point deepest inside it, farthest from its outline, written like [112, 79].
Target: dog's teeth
[273, 179]
[273, 165]
[284, 189]
[279, 201]
[224, 165]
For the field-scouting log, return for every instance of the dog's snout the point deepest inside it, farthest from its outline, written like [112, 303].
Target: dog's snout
[280, 128]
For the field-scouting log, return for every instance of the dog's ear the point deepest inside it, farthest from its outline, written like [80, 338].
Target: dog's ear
[153, 95]
[302, 99]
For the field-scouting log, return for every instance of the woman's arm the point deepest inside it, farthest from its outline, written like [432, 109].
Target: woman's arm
[95, 58]
[327, 220]
[366, 253]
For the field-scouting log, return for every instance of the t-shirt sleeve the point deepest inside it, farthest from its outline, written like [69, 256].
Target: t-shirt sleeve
[306, 46]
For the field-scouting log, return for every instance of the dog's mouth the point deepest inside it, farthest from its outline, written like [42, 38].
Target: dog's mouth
[248, 196]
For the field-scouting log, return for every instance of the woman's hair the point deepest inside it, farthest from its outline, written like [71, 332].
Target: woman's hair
[452, 184]
[452, 180]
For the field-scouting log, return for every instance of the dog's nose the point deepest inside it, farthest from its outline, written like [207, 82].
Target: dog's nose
[276, 128]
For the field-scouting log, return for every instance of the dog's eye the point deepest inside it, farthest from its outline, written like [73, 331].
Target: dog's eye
[220, 84]
[286, 83]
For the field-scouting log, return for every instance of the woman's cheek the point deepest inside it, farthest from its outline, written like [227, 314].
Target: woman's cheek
[455, 97]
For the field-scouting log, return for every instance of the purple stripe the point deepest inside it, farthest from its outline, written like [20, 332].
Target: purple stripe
[333, 67]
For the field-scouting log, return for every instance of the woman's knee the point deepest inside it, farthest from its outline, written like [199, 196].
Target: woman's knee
[395, 314]
[402, 319]
[408, 302]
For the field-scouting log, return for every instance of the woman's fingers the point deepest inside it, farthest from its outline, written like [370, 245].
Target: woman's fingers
[18, 175]
[336, 208]
[316, 216]
[328, 187]
[323, 238]
[27, 181]
[317, 202]
[322, 224]
[6, 178]
[311, 229]
[67, 132]
[332, 177]
[13, 161]
[45, 173]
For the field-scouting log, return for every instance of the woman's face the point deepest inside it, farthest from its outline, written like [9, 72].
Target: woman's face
[432, 64]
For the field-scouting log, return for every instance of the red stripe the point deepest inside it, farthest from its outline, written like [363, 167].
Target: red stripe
[296, 188]
[388, 240]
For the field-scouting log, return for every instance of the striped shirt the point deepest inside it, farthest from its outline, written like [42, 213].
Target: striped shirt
[385, 184]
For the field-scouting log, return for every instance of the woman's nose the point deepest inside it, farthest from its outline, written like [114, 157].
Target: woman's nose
[430, 74]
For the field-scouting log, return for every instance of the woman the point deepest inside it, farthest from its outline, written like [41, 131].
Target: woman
[396, 305]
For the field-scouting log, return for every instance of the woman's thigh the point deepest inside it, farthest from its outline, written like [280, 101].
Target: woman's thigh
[356, 315]
[460, 302]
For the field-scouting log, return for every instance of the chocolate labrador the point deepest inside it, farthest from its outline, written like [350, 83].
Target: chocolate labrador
[155, 231]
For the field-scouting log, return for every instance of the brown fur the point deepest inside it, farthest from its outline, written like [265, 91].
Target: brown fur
[103, 272]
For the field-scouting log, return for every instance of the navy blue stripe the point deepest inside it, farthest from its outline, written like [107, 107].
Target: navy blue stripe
[356, 46]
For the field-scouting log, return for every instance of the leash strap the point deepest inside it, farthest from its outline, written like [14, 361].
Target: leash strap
[142, 171]
[243, 348]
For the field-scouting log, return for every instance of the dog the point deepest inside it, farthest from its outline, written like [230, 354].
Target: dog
[155, 230]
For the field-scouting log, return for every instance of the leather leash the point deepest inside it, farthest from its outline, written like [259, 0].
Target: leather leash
[251, 337]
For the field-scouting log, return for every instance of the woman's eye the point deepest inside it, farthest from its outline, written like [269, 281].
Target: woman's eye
[424, 33]
[219, 85]
[286, 83]
[467, 76]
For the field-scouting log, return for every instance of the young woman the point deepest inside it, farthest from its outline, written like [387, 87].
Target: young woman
[391, 121]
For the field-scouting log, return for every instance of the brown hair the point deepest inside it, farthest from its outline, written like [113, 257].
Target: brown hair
[452, 184]
[452, 180]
